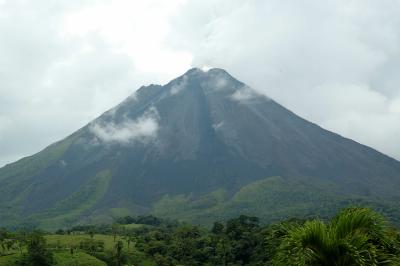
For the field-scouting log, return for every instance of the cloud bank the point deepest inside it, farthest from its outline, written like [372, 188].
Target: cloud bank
[128, 131]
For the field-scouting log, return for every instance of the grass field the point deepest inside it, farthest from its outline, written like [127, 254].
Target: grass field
[77, 259]
[61, 244]
[8, 259]
[63, 258]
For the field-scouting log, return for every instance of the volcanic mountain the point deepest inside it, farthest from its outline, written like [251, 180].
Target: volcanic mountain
[203, 147]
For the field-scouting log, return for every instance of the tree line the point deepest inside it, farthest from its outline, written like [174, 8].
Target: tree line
[355, 236]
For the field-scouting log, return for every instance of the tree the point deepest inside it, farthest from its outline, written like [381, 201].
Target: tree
[37, 254]
[3, 239]
[91, 233]
[245, 239]
[119, 257]
[189, 245]
[115, 228]
[92, 246]
[356, 236]
[22, 239]
[129, 238]
[218, 228]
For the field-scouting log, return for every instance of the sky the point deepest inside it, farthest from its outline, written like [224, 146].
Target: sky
[63, 63]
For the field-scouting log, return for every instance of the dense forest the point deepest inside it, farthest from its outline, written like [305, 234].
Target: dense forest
[355, 236]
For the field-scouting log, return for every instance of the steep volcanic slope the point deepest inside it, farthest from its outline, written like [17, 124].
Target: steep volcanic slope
[192, 147]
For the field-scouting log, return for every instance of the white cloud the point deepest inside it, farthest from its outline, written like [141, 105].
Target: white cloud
[141, 129]
[218, 81]
[217, 126]
[246, 95]
[395, 106]
[135, 28]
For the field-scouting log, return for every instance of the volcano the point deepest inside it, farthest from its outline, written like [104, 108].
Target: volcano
[203, 147]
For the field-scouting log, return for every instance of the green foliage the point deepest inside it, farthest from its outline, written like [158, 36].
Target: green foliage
[78, 258]
[11, 259]
[142, 219]
[119, 257]
[91, 246]
[76, 238]
[356, 236]
[240, 241]
[37, 253]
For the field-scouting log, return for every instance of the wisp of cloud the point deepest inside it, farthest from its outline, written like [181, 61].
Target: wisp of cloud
[128, 131]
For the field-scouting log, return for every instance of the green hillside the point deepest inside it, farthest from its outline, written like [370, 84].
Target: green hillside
[272, 199]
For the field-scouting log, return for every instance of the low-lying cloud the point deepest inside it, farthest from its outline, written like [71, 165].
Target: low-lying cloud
[217, 126]
[128, 131]
[246, 95]
[219, 82]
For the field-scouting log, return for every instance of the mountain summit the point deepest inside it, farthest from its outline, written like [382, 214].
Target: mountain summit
[205, 146]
